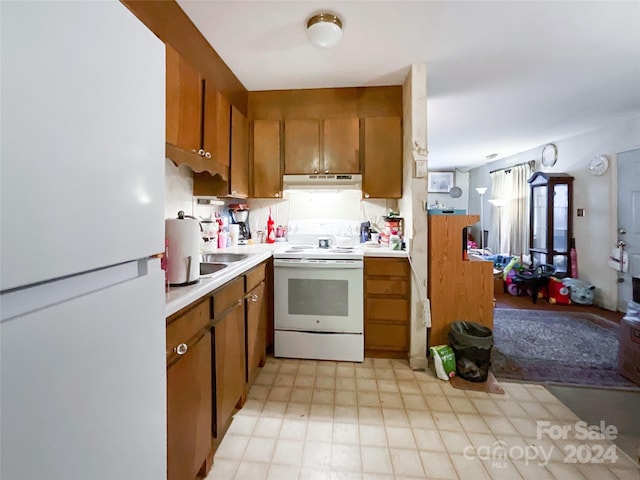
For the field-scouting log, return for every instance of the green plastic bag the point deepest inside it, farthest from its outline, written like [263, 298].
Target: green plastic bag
[444, 360]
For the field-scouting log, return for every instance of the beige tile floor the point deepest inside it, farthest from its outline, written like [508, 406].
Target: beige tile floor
[379, 420]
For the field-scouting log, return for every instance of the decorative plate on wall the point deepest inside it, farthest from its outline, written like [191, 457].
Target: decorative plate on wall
[549, 155]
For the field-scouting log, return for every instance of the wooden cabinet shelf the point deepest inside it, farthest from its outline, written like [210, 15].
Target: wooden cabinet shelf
[387, 292]
[458, 288]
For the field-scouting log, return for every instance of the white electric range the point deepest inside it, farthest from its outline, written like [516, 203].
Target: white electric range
[318, 308]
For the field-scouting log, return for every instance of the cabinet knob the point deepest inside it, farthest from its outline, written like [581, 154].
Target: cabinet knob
[239, 303]
[233, 192]
[366, 195]
[315, 171]
[207, 155]
[277, 195]
[181, 349]
[254, 297]
[326, 170]
[201, 152]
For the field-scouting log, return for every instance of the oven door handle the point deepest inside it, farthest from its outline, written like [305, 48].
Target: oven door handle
[331, 264]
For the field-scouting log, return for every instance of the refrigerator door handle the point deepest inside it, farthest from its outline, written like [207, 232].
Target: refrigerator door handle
[20, 301]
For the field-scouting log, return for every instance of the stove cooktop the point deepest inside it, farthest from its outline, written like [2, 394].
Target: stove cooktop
[310, 251]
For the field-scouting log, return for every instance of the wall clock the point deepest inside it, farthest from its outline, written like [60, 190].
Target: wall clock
[549, 155]
[599, 165]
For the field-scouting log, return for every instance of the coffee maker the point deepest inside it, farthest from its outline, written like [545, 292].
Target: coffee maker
[239, 213]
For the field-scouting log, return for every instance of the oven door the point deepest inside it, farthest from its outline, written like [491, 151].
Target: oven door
[318, 295]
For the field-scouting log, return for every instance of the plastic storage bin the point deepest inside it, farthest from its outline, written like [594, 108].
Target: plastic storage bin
[472, 344]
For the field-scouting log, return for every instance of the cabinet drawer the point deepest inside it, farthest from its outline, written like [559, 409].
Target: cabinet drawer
[184, 325]
[377, 286]
[385, 337]
[387, 309]
[254, 277]
[228, 296]
[386, 267]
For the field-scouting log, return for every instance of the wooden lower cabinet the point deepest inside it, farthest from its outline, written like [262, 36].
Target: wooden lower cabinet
[215, 348]
[189, 392]
[387, 291]
[229, 354]
[256, 321]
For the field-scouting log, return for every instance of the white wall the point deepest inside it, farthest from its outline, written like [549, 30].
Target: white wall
[595, 233]
[412, 206]
[444, 200]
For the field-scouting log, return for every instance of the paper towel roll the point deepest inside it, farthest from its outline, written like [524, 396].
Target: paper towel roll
[183, 262]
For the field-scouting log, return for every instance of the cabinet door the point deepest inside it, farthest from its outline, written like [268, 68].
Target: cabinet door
[229, 345]
[239, 175]
[189, 411]
[341, 145]
[184, 102]
[382, 157]
[301, 146]
[267, 173]
[216, 130]
[256, 330]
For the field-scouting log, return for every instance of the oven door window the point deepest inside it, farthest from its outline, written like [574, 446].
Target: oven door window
[318, 297]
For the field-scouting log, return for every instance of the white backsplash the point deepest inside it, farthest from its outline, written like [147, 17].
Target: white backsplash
[178, 193]
[303, 204]
[296, 204]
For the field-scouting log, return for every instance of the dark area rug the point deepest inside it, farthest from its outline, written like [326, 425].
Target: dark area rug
[568, 348]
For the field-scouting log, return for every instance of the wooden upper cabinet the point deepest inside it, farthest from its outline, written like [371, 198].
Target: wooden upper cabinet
[239, 181]
[301, 146]
[341, 145]
[184, 102]
[216, 131]
[198, 119]
[266, 171]
[331, 145]
[382, 164]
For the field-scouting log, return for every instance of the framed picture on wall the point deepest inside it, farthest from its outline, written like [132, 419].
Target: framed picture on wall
[439, 182]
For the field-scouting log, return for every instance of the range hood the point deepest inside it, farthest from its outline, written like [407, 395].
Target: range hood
[322, 181]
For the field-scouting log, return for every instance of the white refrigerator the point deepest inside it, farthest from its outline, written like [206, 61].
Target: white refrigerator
[82, 326]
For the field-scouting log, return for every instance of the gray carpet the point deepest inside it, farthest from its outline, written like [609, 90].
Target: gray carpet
[572, 348]
[614, 407]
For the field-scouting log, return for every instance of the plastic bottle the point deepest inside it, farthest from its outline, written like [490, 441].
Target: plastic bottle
[271, 233]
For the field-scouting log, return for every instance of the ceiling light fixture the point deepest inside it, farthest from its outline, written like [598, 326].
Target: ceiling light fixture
[324, 30]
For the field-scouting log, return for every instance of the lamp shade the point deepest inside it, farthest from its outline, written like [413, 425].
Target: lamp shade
[481, 190]
[324, 30]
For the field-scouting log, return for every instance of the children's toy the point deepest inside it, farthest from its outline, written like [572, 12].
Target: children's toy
[581, 291]
[558, 292]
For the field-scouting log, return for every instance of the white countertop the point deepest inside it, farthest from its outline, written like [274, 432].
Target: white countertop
[179, 297]
[371, 251]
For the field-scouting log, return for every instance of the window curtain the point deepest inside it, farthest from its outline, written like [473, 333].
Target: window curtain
[509, 232]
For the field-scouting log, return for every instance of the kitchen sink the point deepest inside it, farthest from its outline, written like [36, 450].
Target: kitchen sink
[207, 268]
[222, 257]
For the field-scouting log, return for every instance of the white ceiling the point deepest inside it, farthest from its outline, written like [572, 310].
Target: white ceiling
[503, 76]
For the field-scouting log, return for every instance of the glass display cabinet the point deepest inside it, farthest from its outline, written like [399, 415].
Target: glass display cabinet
[551, 222]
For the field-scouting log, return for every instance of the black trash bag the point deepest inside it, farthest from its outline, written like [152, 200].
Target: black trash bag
[472, 344]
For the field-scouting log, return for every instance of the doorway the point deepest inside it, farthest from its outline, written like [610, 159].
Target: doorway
[628, 221]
